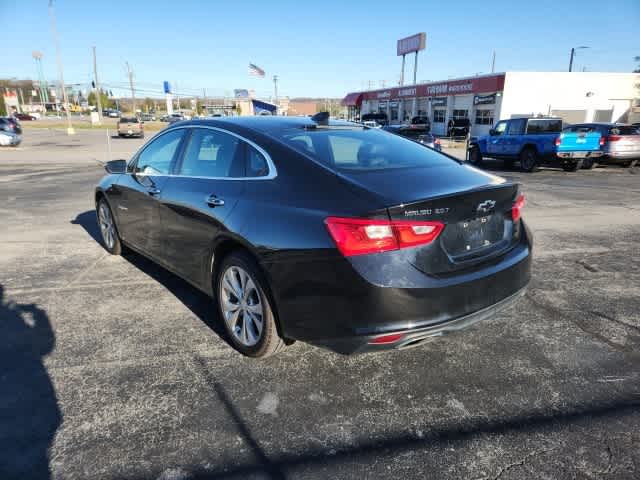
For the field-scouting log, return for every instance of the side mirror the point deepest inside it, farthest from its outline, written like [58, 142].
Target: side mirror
[492, 132]
[116, 166]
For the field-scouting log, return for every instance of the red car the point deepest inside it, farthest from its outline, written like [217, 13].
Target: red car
[25, 116]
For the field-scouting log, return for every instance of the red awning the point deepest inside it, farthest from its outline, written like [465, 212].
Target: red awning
[352, 100]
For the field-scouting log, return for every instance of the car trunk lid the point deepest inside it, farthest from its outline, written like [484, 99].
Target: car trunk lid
[474, 206]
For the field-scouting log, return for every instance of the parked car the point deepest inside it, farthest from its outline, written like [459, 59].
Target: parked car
[458, 127]
[534, 141]
[147, 117]
[417, 133]
[619, 143]
[431, 141]
[130, 127]
[390, 243]
[422, 120]
[378, 117]
[25, 117]
[9, 139]
[11, 125]
[371, 124]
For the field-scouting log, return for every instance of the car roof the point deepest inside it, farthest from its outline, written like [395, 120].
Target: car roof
[263, 123]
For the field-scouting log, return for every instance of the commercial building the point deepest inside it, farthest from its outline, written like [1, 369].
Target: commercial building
[484, 99]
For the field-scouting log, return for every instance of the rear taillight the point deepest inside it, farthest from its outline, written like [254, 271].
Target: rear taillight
[603, 140]
[516, 210]
[558, 140]
[360, 236]
[614, 138]
[436, 141]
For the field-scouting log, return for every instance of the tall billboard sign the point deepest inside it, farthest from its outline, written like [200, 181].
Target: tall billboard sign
[411, 44]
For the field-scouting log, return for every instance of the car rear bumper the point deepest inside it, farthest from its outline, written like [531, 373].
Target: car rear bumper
[578, 155]
[342, 304]
[617, 157]
[416, 336]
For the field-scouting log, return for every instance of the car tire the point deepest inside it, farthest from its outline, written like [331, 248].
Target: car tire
[572, 166]
[529, 160]
[588, 164]
[247, 312]
[475, 156]
[141, 135]
[108, 229]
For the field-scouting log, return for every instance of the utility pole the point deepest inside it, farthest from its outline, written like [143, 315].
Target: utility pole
[177, 96]
[54, 33]
[275, 91]
[493, 62]
[98, 92]
[204, 102]
[133, 92]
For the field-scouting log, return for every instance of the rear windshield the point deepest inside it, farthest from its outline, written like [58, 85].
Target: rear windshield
[129, 120]
[362, 149]
[623, 130]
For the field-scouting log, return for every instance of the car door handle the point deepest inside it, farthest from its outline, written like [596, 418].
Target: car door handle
[153, 191]
[214, 201]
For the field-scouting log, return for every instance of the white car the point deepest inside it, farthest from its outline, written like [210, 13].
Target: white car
[371, 124]
[8, 139]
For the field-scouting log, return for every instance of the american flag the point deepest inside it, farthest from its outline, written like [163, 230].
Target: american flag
[255, 70]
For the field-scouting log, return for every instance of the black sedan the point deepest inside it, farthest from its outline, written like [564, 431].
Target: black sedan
[326, 232]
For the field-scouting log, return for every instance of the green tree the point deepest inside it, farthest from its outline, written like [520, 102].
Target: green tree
[104, 99]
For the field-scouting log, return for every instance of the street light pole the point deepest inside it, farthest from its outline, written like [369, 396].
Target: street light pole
[54, 32]
[573, 52]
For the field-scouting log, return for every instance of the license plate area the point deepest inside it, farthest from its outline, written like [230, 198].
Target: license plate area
[473, 236]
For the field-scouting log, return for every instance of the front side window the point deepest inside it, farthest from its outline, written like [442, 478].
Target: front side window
[362, 149]
[212, 154]
[157, 157]
[500, 128]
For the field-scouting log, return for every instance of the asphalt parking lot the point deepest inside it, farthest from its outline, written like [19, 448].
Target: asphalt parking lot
[111, 367]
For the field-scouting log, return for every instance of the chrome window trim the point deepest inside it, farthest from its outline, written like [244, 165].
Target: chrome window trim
[273, 173]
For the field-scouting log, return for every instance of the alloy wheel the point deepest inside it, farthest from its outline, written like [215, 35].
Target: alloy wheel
[241, 306]
[107, 228]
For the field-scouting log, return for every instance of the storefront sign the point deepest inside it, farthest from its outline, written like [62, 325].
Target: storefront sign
[407, 92]
[411, 44]
[484, 99]
[439, 102]
[475, 85]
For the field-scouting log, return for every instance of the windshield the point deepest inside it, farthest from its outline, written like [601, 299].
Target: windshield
[356, 149]
[128, 120]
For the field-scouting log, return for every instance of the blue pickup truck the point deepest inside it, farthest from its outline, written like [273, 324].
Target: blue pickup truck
[533, 142]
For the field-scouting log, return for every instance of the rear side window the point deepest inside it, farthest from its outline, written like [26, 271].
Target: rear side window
[256, 164]
[363, 149]
[516, 127]
[544, 126]
[212, 154]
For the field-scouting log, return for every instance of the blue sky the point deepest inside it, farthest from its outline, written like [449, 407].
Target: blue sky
[321, 48]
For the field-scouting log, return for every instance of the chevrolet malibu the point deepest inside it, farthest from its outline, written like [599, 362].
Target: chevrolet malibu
[332, 233]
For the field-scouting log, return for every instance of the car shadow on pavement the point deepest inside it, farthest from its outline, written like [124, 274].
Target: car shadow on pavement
[29, 411]
[195, 300]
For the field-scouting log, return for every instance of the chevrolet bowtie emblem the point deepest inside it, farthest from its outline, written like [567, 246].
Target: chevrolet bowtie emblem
[486, 206]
